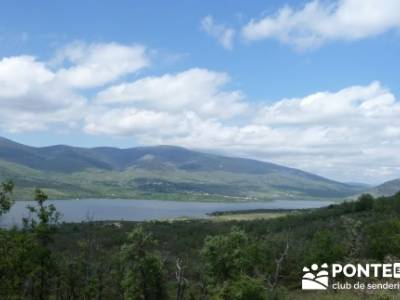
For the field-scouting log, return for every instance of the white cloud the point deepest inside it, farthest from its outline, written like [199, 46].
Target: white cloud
[20, 74]
[351, 134]
[128, 121]
[370, 103]
[30, 99]
[35, 94]
[222, 33]
[97, 64]
[198, 90]
[319, 22]
[358, 119]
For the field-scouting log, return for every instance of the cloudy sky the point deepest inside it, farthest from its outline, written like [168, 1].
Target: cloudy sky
[308, 84]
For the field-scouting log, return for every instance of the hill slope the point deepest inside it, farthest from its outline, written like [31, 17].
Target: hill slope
[165, 172]
[388, 188]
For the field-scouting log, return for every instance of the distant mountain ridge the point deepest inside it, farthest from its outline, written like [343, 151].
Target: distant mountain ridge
[387, 189]
[62, 158]
[156, 172]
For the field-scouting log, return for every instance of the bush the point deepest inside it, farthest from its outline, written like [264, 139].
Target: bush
[325, 248]
[384, 239]
[226, 256]
[364, 202]
[244, 288]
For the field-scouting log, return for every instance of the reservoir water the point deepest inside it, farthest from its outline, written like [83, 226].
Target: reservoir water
[141, 210]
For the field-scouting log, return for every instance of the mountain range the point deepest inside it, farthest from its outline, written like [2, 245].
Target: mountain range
[158, 172]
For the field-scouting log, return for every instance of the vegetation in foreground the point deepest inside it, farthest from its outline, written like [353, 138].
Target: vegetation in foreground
[192, 259]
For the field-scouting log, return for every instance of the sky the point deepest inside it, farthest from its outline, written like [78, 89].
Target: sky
[313, 85]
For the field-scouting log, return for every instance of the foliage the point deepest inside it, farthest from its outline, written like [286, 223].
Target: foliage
[364, 202]
[6, 200]
[325, 248]
[42, 226]
[143, 267]
[252, 259]
[243, 288]
[384, 238]
[15, 263]
[226, 256]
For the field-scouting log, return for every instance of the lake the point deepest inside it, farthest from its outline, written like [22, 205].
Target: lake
[144, 210]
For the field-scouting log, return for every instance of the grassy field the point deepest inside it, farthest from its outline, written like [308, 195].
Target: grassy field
[249, 216]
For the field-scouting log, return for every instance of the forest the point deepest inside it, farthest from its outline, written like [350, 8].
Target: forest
[191, 259]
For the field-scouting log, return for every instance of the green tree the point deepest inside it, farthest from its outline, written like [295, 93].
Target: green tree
[15, 263]
[226, 257]
[14, 251]
[144, 269]
[364, 202]
[42, 225]
[384, 239]
[325, 248]
[243, 288]
[6, 200]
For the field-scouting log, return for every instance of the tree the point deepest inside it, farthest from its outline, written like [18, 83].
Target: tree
[14, 250]
[384, 238]
[6, 200]
[273, 279]
[144, 269]
[364, 202]
[15, 263]
[243, 288]
[325, 247]
[181, 281]
[226, 257]
[42, 225]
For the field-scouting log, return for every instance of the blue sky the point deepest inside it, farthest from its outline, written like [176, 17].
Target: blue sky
[245, 58]
[264, 70]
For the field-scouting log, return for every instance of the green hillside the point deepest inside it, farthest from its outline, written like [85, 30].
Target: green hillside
[161, 172]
